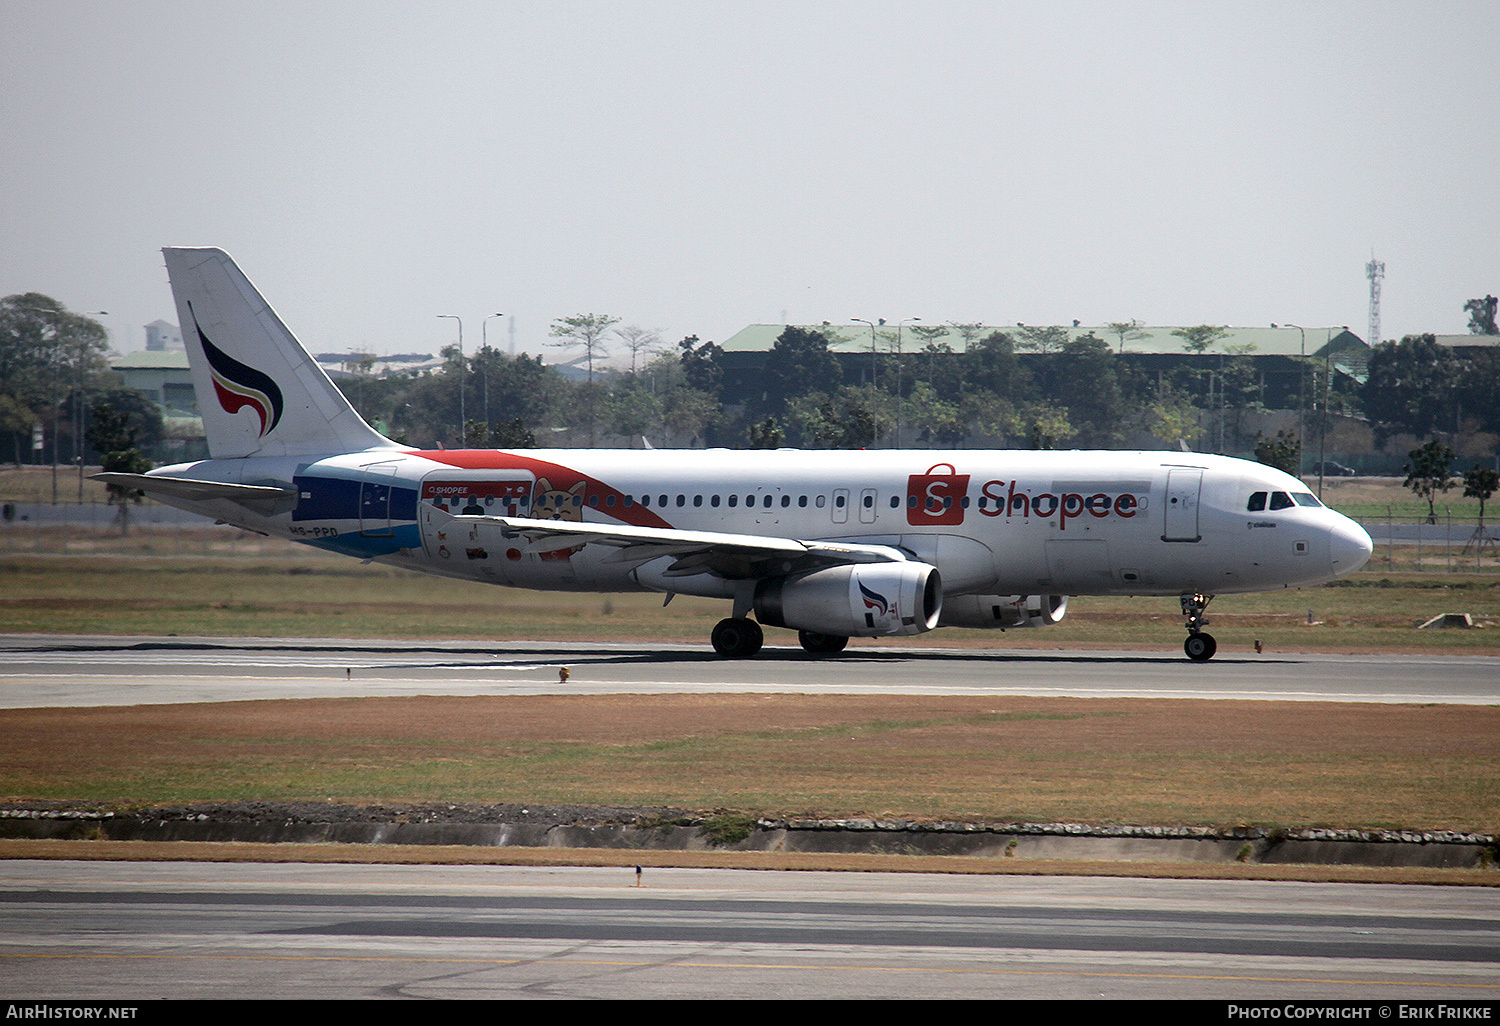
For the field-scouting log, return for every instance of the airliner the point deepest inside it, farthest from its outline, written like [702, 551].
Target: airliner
[830, 544]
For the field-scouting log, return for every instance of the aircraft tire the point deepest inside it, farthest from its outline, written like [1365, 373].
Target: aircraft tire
[737, 638]
[1200, 647]
[822, 644]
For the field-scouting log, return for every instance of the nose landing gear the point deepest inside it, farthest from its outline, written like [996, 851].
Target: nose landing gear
[1200, 646]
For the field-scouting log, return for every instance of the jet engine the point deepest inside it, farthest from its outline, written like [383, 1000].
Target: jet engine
[865, 600]
[1003, 610]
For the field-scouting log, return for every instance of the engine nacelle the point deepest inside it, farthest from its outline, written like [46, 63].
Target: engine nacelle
[1003, 610]
[860, 600]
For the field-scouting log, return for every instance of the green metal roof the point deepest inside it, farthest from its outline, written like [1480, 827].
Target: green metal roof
[1282, 341]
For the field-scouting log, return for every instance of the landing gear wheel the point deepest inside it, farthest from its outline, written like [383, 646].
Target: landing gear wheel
[737, 638]
[822, 644]
[1200, 647]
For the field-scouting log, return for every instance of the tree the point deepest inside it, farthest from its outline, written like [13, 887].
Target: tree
[1046, 425]
[1041, 340]
[1200, 339]
[476, 434]
[929, 335]
[841, 421]
[633, 410]
[1482, 316]
[934, 419]
[640, 341]
[703, 365]
[1480, 483]
[1476, 393]
[1410, 386]
[967, 330]
[1427, 473]
[1284, 452]
[513, 434]
[991, 364]
[585, 330]
[1081, 378]
[687, 412]
[799, 362]
[1166, 414]
[1126, 331]
[767, 435]
[46, 354]
[114, 432]
[139, 416]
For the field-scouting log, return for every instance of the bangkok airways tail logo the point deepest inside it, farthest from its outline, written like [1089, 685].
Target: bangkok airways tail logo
[239, 386]
[874, 600]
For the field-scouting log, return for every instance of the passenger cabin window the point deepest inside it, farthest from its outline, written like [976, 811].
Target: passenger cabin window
[1281, 500]
[1257, 502]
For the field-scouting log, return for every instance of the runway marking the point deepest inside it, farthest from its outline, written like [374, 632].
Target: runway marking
[584, 684]
[619, 963]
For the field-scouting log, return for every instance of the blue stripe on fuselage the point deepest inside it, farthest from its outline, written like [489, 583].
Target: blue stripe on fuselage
[364, 546]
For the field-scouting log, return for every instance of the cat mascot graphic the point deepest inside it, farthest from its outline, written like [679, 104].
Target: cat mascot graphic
[550, 503]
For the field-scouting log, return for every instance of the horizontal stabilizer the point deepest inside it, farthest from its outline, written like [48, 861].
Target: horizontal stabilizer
[197, 491]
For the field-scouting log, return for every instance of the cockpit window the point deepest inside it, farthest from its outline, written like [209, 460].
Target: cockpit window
[1306, 499]
[1257, 502]
[1281, 500]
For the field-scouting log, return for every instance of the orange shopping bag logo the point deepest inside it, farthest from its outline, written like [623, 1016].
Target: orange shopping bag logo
[933, 498]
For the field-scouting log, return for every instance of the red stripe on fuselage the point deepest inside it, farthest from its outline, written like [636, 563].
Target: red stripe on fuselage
[557, 475]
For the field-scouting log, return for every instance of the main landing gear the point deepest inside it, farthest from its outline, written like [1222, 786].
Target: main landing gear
[822, 644]
[1200, 646]
[740, 637]
[737, 637]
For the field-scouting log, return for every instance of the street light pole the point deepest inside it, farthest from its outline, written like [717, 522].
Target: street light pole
[484, 352]
[874, 372]
[899, 325]
[461, 422]
[78, 406]
[1301, 393]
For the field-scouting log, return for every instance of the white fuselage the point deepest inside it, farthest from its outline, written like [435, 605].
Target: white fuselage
[992, 522]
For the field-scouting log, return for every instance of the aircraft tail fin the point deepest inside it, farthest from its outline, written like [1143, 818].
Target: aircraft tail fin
[260, 392]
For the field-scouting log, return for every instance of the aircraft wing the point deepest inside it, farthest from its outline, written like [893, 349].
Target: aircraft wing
[736, 556]
[197, 491]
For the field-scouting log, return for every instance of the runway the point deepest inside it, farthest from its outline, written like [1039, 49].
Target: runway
[62, 670]
[136, 931]
[127, 931]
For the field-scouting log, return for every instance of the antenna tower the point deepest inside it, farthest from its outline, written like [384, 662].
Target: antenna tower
[1374, 270]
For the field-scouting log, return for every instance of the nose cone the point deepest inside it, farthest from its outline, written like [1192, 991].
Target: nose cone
[1349, 546]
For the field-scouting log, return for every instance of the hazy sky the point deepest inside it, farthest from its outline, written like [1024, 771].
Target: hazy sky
[700, 166]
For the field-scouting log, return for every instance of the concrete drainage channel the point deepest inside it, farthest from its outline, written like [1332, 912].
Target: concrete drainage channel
[672, 829]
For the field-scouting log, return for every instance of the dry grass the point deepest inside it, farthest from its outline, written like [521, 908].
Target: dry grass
[229, 583]
[1109, 761]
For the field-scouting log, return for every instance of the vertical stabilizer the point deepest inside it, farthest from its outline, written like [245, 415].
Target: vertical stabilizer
[259, 391]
